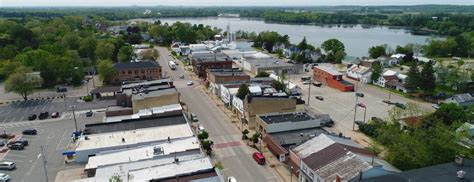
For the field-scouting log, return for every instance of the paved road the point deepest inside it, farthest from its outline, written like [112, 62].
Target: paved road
[55, 136]
[19, 111]
[229, 149]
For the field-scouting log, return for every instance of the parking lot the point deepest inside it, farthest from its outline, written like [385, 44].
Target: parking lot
[54, 135]
[19, 111]
[341, 105]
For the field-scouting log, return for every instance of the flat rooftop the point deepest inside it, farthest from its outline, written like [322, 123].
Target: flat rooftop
[154, 93]
[269, 63]
[141, 153]
[228, 73]
[148, 83]
[331, 70]
[286, 117]
[132, 137]
[187, 167]
[103, 173]
[289, 139]
[209, 56]
[133, 124]
[167, 110]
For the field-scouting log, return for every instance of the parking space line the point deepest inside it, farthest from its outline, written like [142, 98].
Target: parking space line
[9, 111]
[4, 120]
[11, 120]
[16, 155]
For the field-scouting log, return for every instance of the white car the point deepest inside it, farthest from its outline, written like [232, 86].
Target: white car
[435, 106]
[201, 128]
[231, 179]
[7, 165]
[4, 177]
[190, 83]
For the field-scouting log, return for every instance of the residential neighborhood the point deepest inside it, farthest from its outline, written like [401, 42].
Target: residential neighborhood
[122, 96]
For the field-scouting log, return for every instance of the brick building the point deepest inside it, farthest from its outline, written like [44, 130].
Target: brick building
[202, 61]
[331, 77]
[216, 77]
[135, 71]
[262, 105]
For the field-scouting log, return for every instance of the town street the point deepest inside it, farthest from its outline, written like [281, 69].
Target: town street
[229, 149]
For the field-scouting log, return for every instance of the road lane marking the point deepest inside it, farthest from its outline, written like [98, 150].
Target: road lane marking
[12, 120]
[60, 140]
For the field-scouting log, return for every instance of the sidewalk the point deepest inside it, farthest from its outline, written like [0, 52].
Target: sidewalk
[280, 168]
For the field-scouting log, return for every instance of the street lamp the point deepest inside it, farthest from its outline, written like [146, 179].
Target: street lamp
[355, 111]
[291, 174]
[309, 89]
[74, 115]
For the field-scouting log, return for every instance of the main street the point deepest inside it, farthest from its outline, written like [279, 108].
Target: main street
[229, 149]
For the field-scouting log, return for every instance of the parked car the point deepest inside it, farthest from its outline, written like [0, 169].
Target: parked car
[319, 98]
[181, 76]
[43, 115]
[329, 123]
[400, 105]
[7, 165]
[190, 83]
[231, 179]
[435, 106]
[61, 89]
[194, 117]
[55, 115]
[2, 143]
[32, 117]
[307, 82]
[23, 142]
[30, 132]
[359, 94]
[89, 113]
[6, 136]
[4, 177]
[317, 84]
[376, 119]
[201, 128]
[361, 105]
[16, 146]
[259, 158]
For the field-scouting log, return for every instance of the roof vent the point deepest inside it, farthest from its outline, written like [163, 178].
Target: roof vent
[123, 140]
[461, 174]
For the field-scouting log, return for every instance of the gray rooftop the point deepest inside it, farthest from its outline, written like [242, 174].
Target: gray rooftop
[133, 124]
[227, 72]
[153, 93]
[269, 63]
[148, 83]
[461, 98]
[289, 139]
[286, 117]
[209, 56]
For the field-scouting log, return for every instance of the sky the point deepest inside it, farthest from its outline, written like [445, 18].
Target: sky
[5, 3]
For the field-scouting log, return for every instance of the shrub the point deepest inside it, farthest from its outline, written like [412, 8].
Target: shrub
[87, 98]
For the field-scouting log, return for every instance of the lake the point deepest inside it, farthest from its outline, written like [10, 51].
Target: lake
[356, 38]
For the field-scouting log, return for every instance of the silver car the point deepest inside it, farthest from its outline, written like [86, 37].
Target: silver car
[7, 165]
[4, 177]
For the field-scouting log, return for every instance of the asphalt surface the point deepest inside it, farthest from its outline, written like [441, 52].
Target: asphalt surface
[229, 149]
[19, 111]
[54, 135]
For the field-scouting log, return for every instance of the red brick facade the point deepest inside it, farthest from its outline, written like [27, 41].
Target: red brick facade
[136, 74]
[334, 81]
[200, 67]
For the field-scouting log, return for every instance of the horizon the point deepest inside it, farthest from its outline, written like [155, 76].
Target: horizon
[227, 3]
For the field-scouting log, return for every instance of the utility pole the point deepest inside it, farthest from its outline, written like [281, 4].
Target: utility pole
[309, 89]
[365, 112]
[44, 163]
[74, 115]
[87, 87]
[355, 112]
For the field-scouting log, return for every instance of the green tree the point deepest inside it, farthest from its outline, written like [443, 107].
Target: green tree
[302, 45]
[377, 51]
[150, 54]
[104, 50]
[244, 134]
[451, 113]
[278, 85]
[203, 135]
[22, 83]
[255, 138]
[332, 45]
[243, 91]
[105, 71]
[413, 78]
[427, 78]
[339, 56]
[87, 47]
[262, 74]
[70, 41]
[207, 145]
[376, 72]
[125, 53]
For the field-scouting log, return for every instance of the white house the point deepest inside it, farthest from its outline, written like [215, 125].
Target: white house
[398, 56]
[387, 61]
[386, 76]
[393, 80]
[227, 93]
[360, 73]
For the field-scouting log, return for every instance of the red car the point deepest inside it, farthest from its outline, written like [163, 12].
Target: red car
[55, 114]
[259, 158]
[361, 105]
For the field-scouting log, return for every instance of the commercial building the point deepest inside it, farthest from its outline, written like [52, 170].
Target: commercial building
[135, 71]
[89, 145]
[331, 77]
[256, 65]
[280, 122]
[328, 158]
[202, 61]
[255, 105]
[118, 113]
[359, 73]
[178, 148]
[217, 77]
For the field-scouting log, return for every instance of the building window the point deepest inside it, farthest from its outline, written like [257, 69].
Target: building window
[136, 71]
[143, 71]
[129, 72]
[123, 72]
